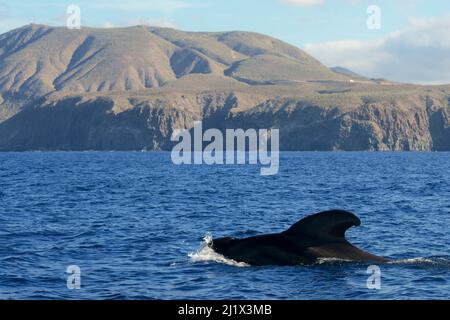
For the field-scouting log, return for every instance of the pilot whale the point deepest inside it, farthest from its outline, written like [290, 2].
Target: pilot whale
[318, 236]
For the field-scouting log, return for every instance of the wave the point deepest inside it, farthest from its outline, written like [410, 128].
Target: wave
[206, 254]
[436, 261]
[332, 261]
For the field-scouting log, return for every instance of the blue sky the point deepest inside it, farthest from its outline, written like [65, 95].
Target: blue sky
[329, 20]
[319, 26]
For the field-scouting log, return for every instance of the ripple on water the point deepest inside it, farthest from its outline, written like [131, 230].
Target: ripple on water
[133, 221]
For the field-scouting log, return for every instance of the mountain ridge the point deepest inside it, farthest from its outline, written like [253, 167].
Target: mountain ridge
[130, 88]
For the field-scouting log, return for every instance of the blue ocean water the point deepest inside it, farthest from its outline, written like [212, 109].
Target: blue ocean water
[134, 224]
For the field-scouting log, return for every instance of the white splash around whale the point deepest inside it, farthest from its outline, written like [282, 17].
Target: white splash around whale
[206, 254]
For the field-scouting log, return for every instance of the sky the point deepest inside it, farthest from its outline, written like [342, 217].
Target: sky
[405, 40]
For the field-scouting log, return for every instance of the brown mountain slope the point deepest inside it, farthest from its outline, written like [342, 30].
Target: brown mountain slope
[39, 59]
[130, 88]
[36, 60]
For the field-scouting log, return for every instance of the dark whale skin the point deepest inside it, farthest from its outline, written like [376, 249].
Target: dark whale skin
[315, 237]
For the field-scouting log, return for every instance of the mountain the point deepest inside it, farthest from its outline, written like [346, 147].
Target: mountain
[130, 88]
[348, 72]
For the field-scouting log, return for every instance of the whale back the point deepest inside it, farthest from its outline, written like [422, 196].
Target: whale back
[318, 236]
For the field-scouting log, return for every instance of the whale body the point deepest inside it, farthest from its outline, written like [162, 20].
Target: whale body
[319, 236]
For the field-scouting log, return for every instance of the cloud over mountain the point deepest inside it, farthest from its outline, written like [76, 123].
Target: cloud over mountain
[303, 2]
[419, 53]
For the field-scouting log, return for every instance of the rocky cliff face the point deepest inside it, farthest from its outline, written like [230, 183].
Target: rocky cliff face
[129, 89]
[417, 122]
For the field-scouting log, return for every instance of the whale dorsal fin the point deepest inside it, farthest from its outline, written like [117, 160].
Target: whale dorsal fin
[324, 227]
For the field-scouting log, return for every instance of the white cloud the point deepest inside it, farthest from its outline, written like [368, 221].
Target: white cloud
[303, 2]
[109, 24]
[136, 5]
[406, 4]
[151, 22]
[161, 22]
[314, 2]
[420, 53]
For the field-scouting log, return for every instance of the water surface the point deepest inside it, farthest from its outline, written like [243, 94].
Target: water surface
[134, 224]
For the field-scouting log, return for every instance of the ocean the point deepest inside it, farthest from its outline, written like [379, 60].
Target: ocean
[135, 225]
